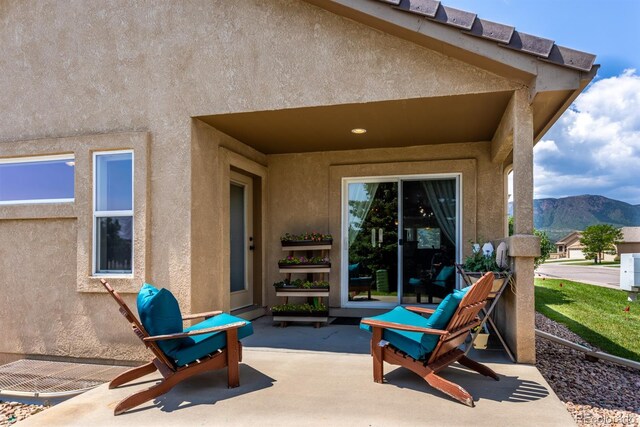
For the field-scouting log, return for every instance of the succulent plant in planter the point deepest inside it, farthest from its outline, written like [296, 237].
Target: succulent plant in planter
[304, 261]
[306, 309]
[306, 239]
[484, 259]
[301, 284]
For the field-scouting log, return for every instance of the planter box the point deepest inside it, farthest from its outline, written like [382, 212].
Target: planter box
[309, 266]
[302, 293]
[302, 290]
[295, 243]
[301, 314]
[498, 279]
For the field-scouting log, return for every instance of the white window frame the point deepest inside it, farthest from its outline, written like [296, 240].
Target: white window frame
[102, 214]
[344, 262]
[36, 159]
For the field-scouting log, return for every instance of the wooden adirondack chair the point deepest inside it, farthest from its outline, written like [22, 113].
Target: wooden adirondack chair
[172, 374]
[446, 351]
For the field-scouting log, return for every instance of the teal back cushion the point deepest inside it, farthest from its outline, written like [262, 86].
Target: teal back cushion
[160, 314]
[445, 273]
[354, 269]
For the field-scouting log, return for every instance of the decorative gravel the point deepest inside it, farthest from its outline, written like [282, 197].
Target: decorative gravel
[12, 412]
[595, 393]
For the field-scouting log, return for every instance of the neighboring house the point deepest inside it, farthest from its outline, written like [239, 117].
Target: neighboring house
[630, 243]
[569, 246]
[175, 142]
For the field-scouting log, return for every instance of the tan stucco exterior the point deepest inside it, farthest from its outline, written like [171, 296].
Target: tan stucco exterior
[147, 77]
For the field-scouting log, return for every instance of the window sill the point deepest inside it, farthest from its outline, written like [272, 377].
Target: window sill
[111, 276]
[123, 284]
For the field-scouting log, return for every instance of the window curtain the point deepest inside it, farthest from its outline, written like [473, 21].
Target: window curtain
[442, 198]
[363, 196]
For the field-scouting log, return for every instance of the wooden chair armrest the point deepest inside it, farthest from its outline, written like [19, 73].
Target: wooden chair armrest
[391, 325]
[206, 315]
[234, 325]
[424, 310]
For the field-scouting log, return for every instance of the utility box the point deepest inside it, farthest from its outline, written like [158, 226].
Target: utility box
[630, 274]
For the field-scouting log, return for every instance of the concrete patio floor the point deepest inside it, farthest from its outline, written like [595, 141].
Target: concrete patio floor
[300, 376]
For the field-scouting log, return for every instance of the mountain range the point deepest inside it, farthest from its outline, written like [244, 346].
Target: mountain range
[559, 217]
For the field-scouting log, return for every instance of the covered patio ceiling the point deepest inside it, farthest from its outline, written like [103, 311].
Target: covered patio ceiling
[396, 123]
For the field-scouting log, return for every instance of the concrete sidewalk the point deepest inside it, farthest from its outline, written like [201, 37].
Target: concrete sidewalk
[608, 277]
[294, 387]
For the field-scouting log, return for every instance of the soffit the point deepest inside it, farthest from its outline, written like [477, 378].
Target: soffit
[396, 123]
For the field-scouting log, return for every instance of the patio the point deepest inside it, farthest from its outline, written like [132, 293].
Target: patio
[306, 376]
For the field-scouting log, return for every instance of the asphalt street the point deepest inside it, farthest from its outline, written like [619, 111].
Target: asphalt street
[600, 276]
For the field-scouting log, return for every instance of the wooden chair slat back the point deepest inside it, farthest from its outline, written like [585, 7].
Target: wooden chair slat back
[465, 317]
[137, 327]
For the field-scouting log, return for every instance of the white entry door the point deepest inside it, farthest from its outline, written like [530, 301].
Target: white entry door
[241, 240]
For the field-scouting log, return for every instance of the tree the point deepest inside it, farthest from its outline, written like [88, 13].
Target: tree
[546, 247]
[383, 214]
[600, 239]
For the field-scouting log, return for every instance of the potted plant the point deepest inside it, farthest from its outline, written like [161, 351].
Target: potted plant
[302, 285]
[484, 259]
[304, 262]
[318, 309]
[306, 239]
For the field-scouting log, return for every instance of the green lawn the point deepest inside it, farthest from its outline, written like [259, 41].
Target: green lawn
[593, 312]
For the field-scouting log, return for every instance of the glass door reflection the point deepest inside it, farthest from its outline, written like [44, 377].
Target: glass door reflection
[372, 233]
[429, 224]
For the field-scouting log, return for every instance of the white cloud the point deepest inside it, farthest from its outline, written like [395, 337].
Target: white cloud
[595, 146]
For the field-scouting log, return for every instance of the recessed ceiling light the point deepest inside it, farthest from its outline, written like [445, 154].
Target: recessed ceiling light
[358, 131]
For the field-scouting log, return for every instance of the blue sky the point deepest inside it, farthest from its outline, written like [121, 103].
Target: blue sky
[595, 147]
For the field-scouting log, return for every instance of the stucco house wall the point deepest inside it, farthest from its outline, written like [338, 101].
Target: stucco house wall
[111, 75]
[130, 68]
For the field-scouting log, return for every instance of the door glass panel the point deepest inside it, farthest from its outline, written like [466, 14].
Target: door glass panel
[373, 242]
[429, 232]
[237, 229]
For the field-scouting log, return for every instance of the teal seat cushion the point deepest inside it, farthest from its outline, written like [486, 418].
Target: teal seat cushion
[414, 281]
[409, 342]
[159, 313]
[417, 344]
[198, 346]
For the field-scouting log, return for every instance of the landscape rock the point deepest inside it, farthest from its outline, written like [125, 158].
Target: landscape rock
[12, 412]
[595, 393]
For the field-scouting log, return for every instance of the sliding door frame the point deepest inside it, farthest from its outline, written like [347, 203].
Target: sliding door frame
[344, 256]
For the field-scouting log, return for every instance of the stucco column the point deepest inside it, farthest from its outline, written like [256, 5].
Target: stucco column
[523, 245]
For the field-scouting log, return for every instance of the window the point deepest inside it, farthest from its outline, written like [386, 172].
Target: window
[113, 212]
[44, 179]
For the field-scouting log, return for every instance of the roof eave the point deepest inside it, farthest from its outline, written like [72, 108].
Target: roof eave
[585, 79]
[462, 35]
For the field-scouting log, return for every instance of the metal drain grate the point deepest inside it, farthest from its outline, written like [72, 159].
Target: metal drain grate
[39, 378]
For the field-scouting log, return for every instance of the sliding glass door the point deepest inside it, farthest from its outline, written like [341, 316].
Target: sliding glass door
[401, 239]
[372, 241]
